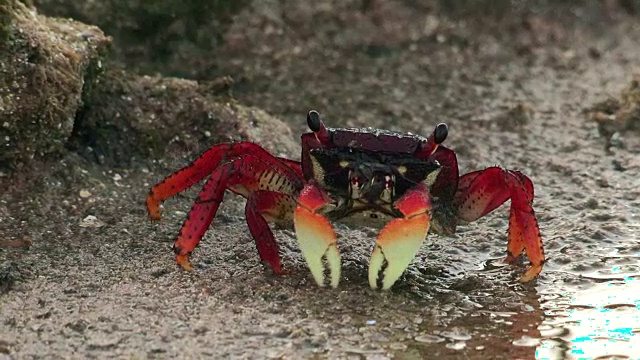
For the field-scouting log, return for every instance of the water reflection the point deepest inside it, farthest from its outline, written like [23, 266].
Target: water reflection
[600, 321]
[482, 316]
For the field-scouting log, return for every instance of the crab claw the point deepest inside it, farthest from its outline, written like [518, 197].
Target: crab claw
[316, 237]
[400, 240]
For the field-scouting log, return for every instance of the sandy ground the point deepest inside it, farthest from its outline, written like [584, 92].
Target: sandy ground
[91, 277]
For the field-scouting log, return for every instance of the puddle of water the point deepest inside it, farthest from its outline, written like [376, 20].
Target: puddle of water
[599, 322]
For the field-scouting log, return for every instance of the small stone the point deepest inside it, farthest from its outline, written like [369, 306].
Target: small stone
[85, 193]
[526, 341]
[91, 221]
[428, 339]
[78, 325]
[458, 345]
[456, 335]
[398, 346]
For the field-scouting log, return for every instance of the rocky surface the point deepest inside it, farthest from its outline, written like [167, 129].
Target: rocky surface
[45, 66]
[130, 118]
[59, 92]
[171, 37]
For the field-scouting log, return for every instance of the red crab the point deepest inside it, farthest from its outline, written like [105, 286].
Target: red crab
[406, 184]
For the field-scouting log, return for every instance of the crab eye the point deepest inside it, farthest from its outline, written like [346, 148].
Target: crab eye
[402, 169]
[440, 133]
[314, 121]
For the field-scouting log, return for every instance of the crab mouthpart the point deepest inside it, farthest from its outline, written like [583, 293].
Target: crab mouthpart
[396, 246]
[317, 241]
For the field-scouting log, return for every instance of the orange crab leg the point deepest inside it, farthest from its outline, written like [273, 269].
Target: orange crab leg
[205, 164]
[480, 192]
[400, 240]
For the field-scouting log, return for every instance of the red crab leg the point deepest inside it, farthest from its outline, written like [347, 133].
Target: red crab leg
[262, 206]
[243, 175]
[200, 216]
[480, 192]
[316, 237]
[204, 165]
[400, 240]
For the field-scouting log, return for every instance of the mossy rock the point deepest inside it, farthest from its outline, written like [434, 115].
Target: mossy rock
[45, 64]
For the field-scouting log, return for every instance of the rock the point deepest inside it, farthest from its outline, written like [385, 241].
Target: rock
[129, 117]
[45, 64]
[619, 117]
[90, 221]
[172, 37]
[56, 93]
[9, 275]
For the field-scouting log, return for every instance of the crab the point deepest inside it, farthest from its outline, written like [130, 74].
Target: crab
[405, 184]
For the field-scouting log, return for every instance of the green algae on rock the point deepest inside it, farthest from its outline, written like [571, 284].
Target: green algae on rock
[45, 64]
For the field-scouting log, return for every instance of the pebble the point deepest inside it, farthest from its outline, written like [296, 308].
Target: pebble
[91, 221]
[458, 345]
[429, 339]
[526, 341]
[456, 335]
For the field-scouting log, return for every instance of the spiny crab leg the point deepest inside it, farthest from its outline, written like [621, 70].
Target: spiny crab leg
[524, 232]
[399, 241]
[482, 191]
[316, 237]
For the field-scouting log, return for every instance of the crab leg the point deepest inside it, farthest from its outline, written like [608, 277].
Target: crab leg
[262, 206]
[245, 175]
[480, 192]
[316, 237]
[400, 240]
[205, 164]
[200, 216]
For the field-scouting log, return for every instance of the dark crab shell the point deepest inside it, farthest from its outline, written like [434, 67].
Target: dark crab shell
[365, 170]
[389, 147]
[376, 140]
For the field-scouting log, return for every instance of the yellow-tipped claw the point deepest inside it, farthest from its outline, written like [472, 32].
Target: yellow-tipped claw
[317, 240]
[397, 243]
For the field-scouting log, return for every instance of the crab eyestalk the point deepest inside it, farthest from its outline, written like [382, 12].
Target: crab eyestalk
[437, 137]
[315, 123]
